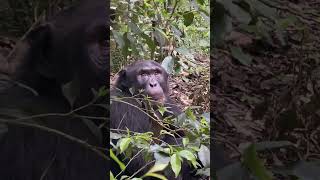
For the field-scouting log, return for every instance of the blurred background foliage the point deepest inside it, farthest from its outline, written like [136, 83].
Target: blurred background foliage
[18, 15]
[170, 32]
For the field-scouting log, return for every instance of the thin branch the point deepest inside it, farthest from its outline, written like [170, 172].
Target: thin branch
[56, 132]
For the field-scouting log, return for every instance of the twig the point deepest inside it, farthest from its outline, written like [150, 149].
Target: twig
[53, 131]
[129, 163]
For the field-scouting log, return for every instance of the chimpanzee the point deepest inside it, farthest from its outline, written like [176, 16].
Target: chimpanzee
[152, 79]
[68, 52]
[145, 75]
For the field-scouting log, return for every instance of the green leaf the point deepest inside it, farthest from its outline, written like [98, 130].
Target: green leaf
[188, 18]
[115, 158]
[254, 164]
[71, 91]
[162, 110]
[175, 164]
[201, 2]
[103, 91]
[118, 38]
[124, 144]
[150, 43]
[238, 54]
[236, 11]
[158, 167]
[168, 64]
[190, 114]
[134, 28]
[176, 31]
[160, 36]
[112, 177]
[263, 9]
[189, 156]
[93, 128]
[185, 141]
[161, 158]
[204, 155]
[159, 176]
[272, 145]
[222, 24]
[115, 135]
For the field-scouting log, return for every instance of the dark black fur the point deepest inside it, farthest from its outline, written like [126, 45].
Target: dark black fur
[70, 47]
[124, 116]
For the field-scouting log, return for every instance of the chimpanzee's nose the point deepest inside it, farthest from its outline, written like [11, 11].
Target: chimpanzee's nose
[153, 84]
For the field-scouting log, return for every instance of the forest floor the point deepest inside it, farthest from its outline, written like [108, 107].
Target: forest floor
[276, 98]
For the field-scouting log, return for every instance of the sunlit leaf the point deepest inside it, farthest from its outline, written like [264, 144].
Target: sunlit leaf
[115, 158]
[175, 163]
[124, 144]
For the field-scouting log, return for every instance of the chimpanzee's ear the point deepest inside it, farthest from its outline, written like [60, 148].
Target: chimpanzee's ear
[122, 80]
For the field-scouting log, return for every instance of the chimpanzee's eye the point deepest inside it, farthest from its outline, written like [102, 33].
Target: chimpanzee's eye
[143, 74]
[157, 72]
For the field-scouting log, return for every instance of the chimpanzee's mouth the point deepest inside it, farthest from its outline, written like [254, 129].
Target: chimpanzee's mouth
[158, 98]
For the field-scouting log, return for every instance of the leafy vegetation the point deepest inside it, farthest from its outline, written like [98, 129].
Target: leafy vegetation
[176, 34]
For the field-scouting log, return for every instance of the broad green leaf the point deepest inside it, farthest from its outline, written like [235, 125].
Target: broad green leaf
[71, 91]
[115, 158]
[150, 43]
[168, 64]
[222, 24]
[93, 128]
[161, 37]
[158, 167]
[115, 135]
[254, 164]
[176, 31]
[272, 145]
[161, 158]
[162, 110]
[185, 141]
[189, 156]
[190, 114]
[124, 144]
[111, 176]
[134, 28]
[159, 176]
[236, 11]
[175, 164]
[204, 155]
[263, 9]
[118, 38]
[188, 18]
[201, 2]
[238, 54]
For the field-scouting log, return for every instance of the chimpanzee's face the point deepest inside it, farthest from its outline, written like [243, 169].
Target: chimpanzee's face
[148, 76]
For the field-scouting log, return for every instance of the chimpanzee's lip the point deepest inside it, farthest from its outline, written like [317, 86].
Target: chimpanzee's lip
[158, 98]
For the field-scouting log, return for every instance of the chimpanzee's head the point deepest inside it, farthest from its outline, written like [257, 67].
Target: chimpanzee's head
[148, 76]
